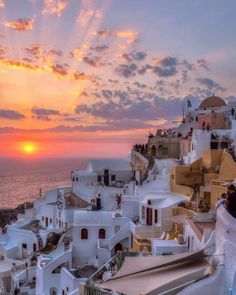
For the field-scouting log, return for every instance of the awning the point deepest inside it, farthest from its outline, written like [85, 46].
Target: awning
[143, 275]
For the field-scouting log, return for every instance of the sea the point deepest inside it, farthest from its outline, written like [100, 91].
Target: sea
[21, 179]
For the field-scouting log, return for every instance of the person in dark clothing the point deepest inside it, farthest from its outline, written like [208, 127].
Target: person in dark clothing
[231, 189]
[231, 203]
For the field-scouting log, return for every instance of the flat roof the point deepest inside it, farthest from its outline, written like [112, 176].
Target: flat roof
[164, 199]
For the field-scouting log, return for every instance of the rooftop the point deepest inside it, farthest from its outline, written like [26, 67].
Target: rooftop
[212, 102]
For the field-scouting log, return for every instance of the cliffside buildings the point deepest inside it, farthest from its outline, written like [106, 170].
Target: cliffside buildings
[153, 205]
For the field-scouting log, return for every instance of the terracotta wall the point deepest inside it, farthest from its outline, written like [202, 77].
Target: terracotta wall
[215, 120]
[211, 158]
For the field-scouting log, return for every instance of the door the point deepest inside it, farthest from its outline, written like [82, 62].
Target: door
[118, 247]
[149, 216]
[46, 221]
[106, 177]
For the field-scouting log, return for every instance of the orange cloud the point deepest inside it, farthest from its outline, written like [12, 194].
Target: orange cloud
[78, 53]
[2, 4]
[21, 24]
[61, 70]
[129, 35]
[78, 76]
[20, 65]
[54, 7]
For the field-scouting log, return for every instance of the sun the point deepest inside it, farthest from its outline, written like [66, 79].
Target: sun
[29, 148]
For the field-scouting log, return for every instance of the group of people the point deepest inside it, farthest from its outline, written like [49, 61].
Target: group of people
[228, 200]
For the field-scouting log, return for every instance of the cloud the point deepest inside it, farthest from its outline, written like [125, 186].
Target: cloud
[22, 24]
[20, 65]
[100, 48]
[168, 61]
[107, 126]
[139, 85]
[93, 61]
[143, 110]
[60, 70]
[210, 84]
[113, 81]
[188, 66]
[126, 70]
[78, 76]
[2, 4]
[129, 35]
[164, 72]
[55, 52]
[44, 114]
[202, 63]
[54, 7]
[133, 55]
[35, 50]
[10, 114]
[165, 67]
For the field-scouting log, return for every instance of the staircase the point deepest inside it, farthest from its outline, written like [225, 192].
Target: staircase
[40, 241]
[122, 234]
[193, 206]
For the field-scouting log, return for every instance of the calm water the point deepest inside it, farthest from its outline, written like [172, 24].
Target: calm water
[21, 179]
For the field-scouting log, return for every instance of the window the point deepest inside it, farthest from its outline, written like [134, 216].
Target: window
[106, 171]
[143, 212]
[102, 233]
[99, 178]
[50, 220]
[117, 228]
[77, 179]
[42, 218]
[113, 178]
[84, 234]
[34, 247]
[59, 214]
[156, 216]
[24, 246]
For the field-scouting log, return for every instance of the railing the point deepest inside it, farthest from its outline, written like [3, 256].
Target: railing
[147, 232]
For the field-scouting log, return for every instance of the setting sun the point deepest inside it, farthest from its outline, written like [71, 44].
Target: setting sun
[29, 148]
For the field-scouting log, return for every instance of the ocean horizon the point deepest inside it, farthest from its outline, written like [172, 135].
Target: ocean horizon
[22, 178]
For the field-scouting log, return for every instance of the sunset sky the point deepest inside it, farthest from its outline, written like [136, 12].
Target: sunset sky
[91, 78]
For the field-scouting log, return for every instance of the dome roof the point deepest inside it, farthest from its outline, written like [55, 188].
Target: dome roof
[212, 102]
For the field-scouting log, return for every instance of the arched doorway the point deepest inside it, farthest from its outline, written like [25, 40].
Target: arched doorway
[118, 247]
[53, 291]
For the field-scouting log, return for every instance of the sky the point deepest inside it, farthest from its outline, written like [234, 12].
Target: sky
[83, 78]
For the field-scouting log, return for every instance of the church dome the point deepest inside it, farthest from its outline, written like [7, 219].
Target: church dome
[212, 102]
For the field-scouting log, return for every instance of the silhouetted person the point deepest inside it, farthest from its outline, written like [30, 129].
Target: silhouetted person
[231, 204]
[231, 189]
